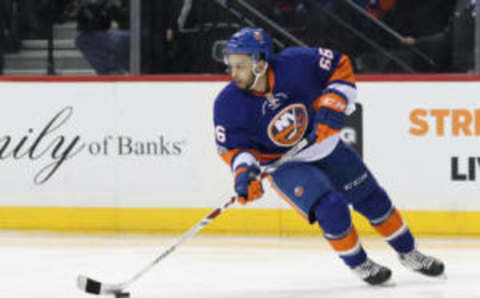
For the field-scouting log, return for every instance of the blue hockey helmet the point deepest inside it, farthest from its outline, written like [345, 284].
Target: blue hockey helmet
[253, 41]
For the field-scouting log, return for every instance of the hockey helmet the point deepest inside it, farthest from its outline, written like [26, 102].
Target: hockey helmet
[253, 41]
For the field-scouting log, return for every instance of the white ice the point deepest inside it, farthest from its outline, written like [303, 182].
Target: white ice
[45, 265]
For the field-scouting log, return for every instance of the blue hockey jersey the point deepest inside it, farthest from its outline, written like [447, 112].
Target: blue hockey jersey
[267, 125]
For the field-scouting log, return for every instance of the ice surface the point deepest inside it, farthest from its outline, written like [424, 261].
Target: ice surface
[41, 265]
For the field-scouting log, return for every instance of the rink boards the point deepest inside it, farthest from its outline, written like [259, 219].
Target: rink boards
[138, 154]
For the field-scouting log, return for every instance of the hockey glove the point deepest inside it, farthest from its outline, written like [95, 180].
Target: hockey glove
[329, 120]
[247, 185]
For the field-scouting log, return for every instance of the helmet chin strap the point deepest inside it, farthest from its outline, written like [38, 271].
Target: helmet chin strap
[257, 74]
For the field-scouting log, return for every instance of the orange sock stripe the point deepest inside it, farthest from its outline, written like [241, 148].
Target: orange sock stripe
[390, 226]
[346, 243]
[286, 199]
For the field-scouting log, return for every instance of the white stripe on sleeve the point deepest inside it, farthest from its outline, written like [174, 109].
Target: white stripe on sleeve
[244, 158]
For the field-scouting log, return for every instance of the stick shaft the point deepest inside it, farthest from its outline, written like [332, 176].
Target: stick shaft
[116, 288]
[194, 230]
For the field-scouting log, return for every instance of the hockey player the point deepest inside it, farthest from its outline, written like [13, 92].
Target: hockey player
[272, 103]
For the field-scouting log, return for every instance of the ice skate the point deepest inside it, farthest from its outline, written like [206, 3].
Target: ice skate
[373, 273]
[421, 263]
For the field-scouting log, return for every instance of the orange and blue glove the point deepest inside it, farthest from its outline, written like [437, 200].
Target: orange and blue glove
[329, 119]
[247, 185]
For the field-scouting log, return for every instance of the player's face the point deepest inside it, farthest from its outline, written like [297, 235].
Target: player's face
[241, 70]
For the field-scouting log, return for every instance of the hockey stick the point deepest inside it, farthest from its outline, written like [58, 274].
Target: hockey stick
[92, 286]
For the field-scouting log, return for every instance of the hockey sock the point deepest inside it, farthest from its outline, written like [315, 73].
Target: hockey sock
[386, 220]
[333, 216]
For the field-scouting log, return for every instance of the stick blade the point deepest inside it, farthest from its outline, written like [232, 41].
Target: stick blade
[95, 287]
[89, 285]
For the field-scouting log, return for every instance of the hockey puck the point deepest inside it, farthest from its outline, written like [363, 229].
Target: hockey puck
[122, 295]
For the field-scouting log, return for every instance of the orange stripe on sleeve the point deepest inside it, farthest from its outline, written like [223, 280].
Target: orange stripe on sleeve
[323, 131]
[344, 71]
[346, 243]
[229, 155]
[391, 225]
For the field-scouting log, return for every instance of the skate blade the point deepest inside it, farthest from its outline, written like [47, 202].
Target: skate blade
[387, 284]
[442, 276]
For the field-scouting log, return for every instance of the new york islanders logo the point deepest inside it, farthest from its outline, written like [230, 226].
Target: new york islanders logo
[288, 126]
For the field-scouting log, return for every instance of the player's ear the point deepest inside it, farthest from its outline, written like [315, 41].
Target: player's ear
[260, 66]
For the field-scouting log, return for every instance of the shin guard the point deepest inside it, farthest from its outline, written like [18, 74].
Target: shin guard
[386, 220]
[333, 216]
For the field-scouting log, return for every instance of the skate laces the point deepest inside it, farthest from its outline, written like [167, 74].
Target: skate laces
[367, 268]
[417, 260]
